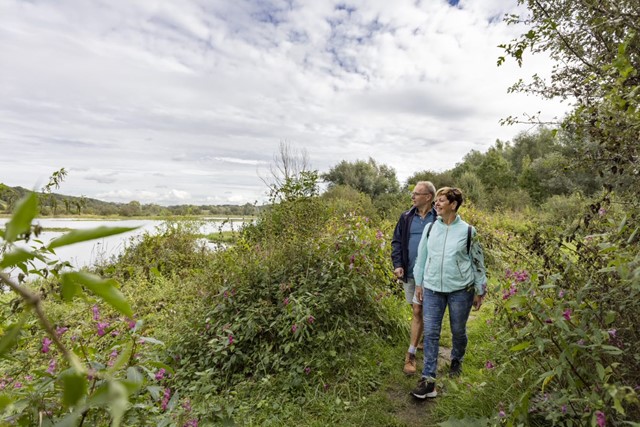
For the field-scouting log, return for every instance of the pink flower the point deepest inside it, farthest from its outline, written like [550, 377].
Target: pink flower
[187, 405]
[191, 423]
[112, 358]
[567, 314]
[230, 339]
[307, 370]
[311, 319]
[379, 235]
[489, 365]
[286, 301]
[52, 367]
[294, 328]
[501, 414]
[101, 328]
[601, 212]
[612, 332]
[165, 398]
[601, 419]
[61, 330]
[17, 385]
[561, 293]
[28, 378]
[160, 374]
[46, 342]
[115, 333]
[96, 312]
[564, 409]
[131, 323]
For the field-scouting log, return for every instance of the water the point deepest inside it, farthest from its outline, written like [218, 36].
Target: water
[98, 251]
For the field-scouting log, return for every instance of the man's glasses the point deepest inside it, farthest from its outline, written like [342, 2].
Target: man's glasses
[418, 194]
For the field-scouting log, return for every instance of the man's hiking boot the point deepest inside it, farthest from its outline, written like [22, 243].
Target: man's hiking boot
[409, 364]
[425, 389]
[455, 369]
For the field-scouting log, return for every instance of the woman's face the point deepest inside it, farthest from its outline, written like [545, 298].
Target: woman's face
[443, 206]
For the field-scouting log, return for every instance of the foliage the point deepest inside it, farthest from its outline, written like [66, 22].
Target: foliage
[292, 301]
[368, 177]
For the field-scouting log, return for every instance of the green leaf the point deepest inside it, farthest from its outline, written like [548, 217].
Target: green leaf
[151, 340]
[104, 288]
[74, 387]
[118, 402]
[69, 288]
[521, 346]
[10, 337]
[122, 359]
[20, 223]
[70, 420]
[5, 401]
[18, 256]
[600, 370]
[77, 236]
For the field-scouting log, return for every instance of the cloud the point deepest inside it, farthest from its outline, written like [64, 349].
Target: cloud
[195, 97]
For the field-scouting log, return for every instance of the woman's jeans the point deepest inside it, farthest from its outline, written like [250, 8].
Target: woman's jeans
[433, 307]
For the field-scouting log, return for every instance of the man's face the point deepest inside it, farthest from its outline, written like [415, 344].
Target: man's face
[421, 197]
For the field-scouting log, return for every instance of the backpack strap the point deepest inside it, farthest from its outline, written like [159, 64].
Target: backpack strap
[429, 230]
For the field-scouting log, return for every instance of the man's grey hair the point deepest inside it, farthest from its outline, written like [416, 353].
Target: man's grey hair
[430, 187]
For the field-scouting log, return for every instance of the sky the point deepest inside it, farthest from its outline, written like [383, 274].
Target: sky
[187, 102]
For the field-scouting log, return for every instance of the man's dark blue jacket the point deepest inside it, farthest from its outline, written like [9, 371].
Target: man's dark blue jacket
[400, 241]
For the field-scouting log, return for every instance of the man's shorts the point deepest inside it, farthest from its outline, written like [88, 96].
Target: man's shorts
[410, 292]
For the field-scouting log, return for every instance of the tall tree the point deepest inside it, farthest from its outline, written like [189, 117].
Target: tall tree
[368, 177]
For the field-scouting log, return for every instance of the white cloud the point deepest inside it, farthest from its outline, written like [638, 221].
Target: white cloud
[136, 98]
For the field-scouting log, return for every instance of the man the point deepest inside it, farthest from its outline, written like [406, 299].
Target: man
[406, 238]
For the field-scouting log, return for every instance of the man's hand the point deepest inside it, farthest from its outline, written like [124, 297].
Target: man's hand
[477, 301]
[399, 272]
[419, 291]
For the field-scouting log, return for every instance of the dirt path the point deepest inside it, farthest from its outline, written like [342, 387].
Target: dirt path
[409, 411]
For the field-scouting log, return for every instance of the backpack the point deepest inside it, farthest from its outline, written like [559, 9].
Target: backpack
[468, 236]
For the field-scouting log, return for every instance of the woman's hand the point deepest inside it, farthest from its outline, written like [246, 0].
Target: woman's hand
[419, 293]
[477, 301]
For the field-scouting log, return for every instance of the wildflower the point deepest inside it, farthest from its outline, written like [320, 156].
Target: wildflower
[561, 293]
[601, 420]
[17, 385]
[307, 370]
[191, 423]
[46, 342]
[326, 387]
[489, 365]
[501, 414]
[311, 319]
[96, 312]
[52, 367]
[131, 323]
[567, 314]
[160, 374]
[564, 409]
[91, 374]
[187, 405]
[612, 332]
[112, 358]
[165, 398]
[230, 339]
[61, 330]
[601, 212]
[101, 328]
[28, 377]
[294, 328]
[489, 321]
[580, 342]
[379, 235]
[226, 294]
[548, 321]
[286, 301]
[115, 333]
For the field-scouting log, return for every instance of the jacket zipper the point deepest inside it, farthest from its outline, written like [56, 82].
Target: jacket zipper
[444, 246]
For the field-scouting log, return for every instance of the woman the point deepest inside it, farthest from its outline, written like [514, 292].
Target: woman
[449, 272]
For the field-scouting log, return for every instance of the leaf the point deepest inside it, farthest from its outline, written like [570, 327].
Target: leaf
[18, 256]
[69, 288]
[521, 346]
[151, 340]
[104, 288]
[10, 337]
[5, 401]
[118, 402]
[600, 370]
[74, 386]
[20, 223]
[77, 236]
[123, 358]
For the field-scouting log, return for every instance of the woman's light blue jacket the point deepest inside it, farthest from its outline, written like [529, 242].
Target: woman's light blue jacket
[443, 264]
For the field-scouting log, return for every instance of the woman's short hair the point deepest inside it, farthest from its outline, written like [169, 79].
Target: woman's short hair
[452, 194]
